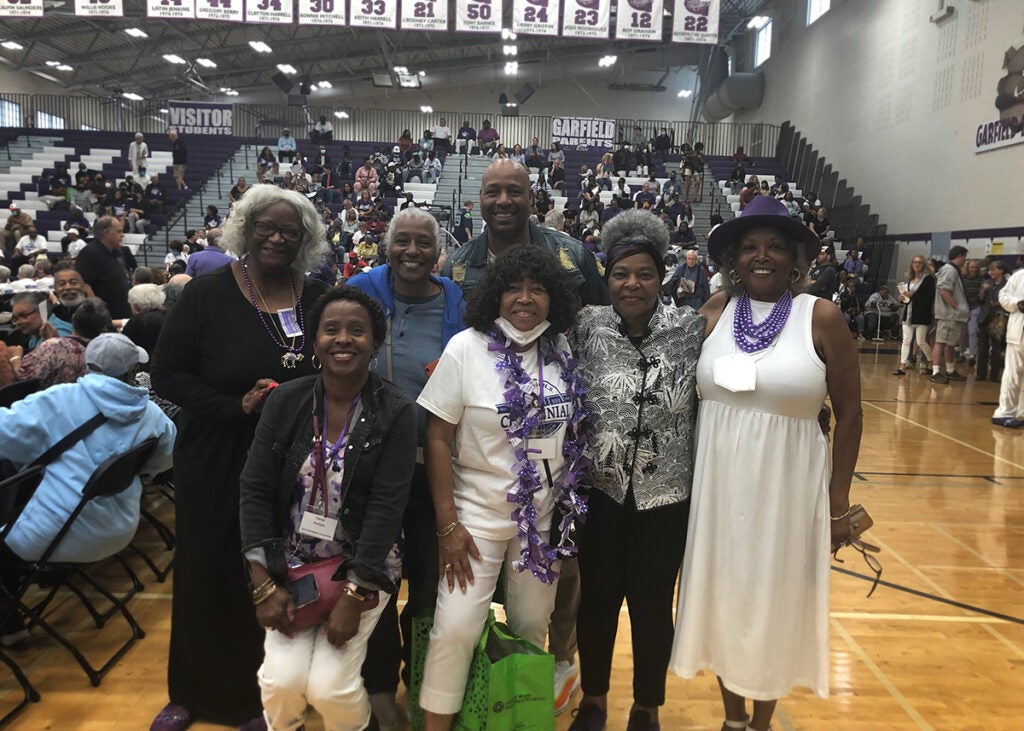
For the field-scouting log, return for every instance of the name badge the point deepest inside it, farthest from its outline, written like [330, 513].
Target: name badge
[736, 373]
[541, 448]
[314, 525]
[288, 323]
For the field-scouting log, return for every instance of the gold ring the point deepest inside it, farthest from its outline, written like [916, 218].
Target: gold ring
[447, 567]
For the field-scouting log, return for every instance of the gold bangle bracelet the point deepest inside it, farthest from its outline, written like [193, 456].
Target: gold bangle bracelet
[844, 515]
[448, 530]
[257, 600]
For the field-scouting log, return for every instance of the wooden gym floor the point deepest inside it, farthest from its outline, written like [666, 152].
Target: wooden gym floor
[946, 490]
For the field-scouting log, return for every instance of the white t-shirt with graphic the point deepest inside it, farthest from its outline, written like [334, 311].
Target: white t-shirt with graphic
[467, 389]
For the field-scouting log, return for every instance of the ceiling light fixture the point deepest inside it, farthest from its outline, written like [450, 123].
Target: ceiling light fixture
[341, 115]
[65, 67]
[286, 68]
[11, 45]
[136, 33]
[684, 93]
[758, 22]
[510, 50]
[53, 63]
[606, 61]
[260, 47]
[173, 58]
[130, 95]
[325, 85]
[231, 92]
[206, 62]
[511, 68]
[422, 73]
[162, 110]
[401, 70]
[427, 110]
[507, 35]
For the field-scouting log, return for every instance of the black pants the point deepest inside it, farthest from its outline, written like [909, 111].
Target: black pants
[386, 651]
[631, 555]
[990, 354]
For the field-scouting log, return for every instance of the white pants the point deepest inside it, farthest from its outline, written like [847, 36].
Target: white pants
[909, 333]
[459, 620]
[460, 143]
[1011, 388]
[307, 669]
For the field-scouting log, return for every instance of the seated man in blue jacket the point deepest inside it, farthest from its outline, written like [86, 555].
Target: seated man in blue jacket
[33, 425]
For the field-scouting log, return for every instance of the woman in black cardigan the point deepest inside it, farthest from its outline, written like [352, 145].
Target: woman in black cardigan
[327, 476]
[917, 295]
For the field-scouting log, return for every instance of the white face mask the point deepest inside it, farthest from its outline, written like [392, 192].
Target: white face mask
[519, 337]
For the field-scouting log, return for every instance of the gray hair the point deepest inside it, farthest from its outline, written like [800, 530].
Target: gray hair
[171, 294]
[26, 271]
[146, 297]
[102, 225]
[635, 223]
[28, 298]
[238, 234]
[5, 274]
[412, 213]
[213, 236]
[554, 219]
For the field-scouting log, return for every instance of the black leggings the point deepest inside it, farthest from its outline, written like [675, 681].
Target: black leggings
[632, 555]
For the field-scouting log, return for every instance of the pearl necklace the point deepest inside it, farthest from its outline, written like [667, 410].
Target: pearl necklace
[753, 338]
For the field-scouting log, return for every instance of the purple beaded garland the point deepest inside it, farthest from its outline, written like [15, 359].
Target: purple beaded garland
[266, 325]
[752, 338]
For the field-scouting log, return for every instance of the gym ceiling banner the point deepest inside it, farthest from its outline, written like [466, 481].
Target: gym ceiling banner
[425, 15]
[171, 9]
[536, 17]
[199, 118]
[322, 12]
[586, 18]
[639, 20]
[22, 9]
[230, 10]
[478, 16]
[99, 8]
[269, 11]
[583, 132]
[696, 21]
[373, 14]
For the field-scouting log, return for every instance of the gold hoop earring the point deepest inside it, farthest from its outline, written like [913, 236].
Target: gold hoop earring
[734, 277]
[316, 362]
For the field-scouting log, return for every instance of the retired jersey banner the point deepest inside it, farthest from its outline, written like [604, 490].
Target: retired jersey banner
[174, 9]
[425, 15]
[374, 14]
[586, 18]
[696, 21]
[587, 132]
[536, 17]
[639, 20]
[321, 12]
[99, 8]
[230, 10]
[478, 16]
[21, 9]
[199, 118]
[269, 11]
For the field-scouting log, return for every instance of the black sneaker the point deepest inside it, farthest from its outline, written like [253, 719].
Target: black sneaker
[939, 378]
[955, 376]
[641, 721]
[588, 717]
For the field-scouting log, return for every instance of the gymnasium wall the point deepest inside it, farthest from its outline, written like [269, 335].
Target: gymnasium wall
[894, 103]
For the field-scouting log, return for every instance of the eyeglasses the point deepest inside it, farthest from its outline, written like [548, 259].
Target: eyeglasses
[16, 318]
[866, 550]
[266, 229]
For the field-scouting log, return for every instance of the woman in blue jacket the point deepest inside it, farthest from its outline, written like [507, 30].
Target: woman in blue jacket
[423, 313]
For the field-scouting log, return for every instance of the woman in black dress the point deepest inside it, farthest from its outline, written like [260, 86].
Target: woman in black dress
[231, 337]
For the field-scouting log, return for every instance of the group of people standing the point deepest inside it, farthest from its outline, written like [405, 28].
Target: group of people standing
[480, 426]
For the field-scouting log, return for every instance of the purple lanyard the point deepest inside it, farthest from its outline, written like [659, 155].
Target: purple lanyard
[322, 454]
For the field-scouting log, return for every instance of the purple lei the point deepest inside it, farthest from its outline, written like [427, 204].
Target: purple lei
[525, 415]
[752, 338]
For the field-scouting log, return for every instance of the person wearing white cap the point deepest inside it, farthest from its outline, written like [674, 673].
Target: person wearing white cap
[118, 416]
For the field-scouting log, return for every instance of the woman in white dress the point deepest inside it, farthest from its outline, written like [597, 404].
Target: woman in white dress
[753, 601]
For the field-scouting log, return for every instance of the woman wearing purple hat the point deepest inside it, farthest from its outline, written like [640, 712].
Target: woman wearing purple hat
[753, 602]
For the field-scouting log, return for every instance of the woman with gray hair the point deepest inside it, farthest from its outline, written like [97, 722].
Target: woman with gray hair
[423, 313]
[638, 362]
[233, 335]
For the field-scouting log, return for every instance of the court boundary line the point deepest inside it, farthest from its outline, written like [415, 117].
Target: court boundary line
[953, 439]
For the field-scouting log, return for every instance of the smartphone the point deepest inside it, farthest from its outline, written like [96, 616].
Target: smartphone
[303, 591]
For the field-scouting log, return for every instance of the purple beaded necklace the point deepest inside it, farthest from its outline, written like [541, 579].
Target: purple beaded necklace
[753, 338]
[294, 354]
